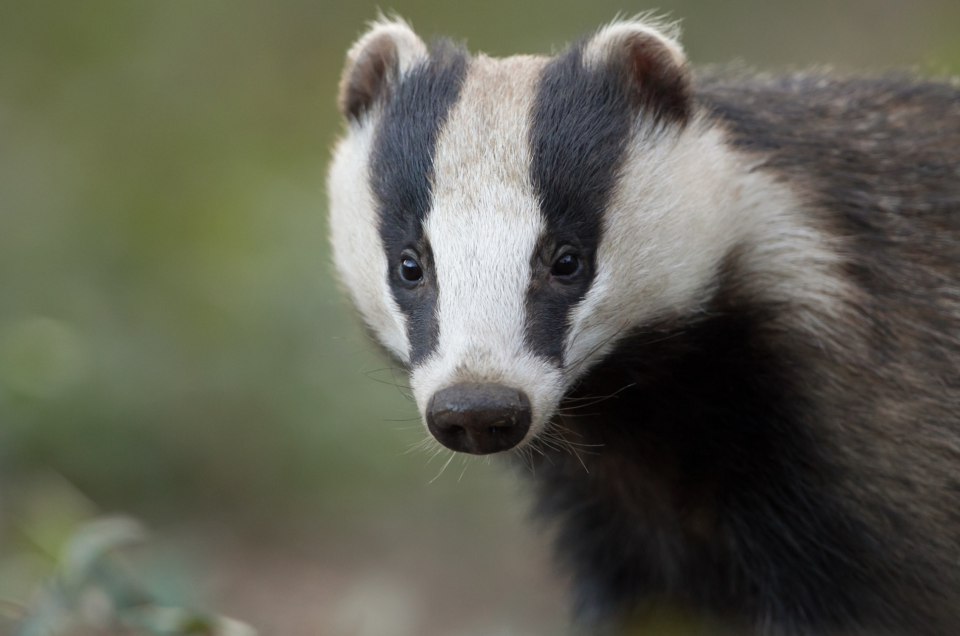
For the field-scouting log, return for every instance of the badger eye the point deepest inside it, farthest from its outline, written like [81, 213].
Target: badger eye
[566, 265]
[410, 270]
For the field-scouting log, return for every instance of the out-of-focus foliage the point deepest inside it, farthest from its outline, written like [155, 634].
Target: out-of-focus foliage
[170, 332]
[66, 573]
[172, 343]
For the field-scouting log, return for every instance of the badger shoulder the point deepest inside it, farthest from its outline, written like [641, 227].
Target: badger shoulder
[880, 154]
[875, 165]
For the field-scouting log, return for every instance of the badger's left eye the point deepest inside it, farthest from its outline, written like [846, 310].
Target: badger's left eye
[410, 270]
[566, 265]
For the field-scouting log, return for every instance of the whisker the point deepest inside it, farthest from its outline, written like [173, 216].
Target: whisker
[533, 464]
[557, 431]
[563, 443]
[597, 400]
[393, 384]
[452, 455]
[546, 442]
[580, 459]
[422, 445]
[393, 375]
[436, 452]
[391, 370]
[572, 446]
[526, 456]
[602, 344]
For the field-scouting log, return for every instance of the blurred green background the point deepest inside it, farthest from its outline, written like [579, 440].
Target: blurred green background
[173, 345]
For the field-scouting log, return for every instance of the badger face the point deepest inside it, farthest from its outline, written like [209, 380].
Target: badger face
[480, 222]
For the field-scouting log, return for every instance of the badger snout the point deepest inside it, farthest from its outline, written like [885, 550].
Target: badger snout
[479, 418]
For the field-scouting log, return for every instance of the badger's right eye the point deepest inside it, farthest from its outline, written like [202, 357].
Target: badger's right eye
[566, 266]
[410, 270]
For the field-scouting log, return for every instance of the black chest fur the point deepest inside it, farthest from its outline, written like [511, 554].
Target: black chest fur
[703, 483]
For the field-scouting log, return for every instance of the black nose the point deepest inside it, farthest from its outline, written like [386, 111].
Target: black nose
[479, 418]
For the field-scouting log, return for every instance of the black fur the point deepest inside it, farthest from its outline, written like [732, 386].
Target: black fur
[748, 470]
[400, 173]
[702, 485]
[580, 126]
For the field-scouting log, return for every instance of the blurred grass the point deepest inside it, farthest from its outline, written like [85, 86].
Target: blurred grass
[171, 340]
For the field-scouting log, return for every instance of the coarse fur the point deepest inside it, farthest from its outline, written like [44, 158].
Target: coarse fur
[745, 401]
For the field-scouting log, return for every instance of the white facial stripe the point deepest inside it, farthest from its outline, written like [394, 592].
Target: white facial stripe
[684, 204]
[358, 250]
[663, 237]
[355, 237]
[483, 227]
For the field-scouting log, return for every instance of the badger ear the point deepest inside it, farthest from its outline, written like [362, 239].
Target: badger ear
[375, 63]
[650, 61]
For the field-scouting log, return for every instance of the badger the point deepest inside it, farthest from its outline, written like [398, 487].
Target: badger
[718, 311]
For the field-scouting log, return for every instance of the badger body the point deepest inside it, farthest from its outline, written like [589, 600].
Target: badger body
[720, 314]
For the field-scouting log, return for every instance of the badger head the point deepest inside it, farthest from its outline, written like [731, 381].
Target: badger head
[501, 223]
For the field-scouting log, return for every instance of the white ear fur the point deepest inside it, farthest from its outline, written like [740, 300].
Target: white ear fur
[384, 53]
[612, 39]
[651, 62]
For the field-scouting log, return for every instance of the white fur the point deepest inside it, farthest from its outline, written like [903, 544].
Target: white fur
[358, 252]
[410, 48]
[483, 226]
[683, 204]
[608, 39]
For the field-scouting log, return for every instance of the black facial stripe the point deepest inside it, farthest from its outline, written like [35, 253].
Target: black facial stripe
[581, 126]
[401, 172]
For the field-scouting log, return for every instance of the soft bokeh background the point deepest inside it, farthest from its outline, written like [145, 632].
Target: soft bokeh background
[173, 346]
